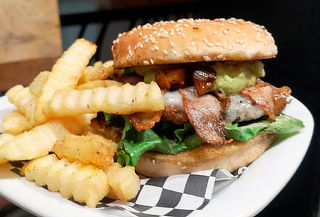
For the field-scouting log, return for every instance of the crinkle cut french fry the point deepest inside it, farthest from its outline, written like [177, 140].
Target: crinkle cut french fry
[90, 149]
[22, 99]
[5, 137]
[84, 183]
[77, 124]
[37, 84]
[124, 182]
[68, 69]
[65, 73]
[98, 83]
[37, 142]
[98, 71]
[14, 123]
[126, 99]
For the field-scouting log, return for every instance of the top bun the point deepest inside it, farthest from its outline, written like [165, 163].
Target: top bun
[189, 40]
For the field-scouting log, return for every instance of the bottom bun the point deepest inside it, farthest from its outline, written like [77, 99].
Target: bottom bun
[229, 156]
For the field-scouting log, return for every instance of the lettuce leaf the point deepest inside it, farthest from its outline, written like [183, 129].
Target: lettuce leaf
[284, 126]
[133, 143]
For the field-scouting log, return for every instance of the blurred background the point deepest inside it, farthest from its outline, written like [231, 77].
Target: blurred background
[33, 34]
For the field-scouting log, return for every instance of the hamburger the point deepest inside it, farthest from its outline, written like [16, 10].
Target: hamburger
[219, 113]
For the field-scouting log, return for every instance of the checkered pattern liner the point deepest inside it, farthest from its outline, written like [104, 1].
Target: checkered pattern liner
[177, 195]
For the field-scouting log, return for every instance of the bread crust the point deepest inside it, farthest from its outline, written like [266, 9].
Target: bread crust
[189, 40]
[229, 156]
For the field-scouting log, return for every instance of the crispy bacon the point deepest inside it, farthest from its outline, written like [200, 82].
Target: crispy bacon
[223, 98]
[171, 113]
[205, 115]
[144, 120]
[269, 98]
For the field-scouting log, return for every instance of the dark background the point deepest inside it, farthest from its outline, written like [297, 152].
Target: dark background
[295, 26]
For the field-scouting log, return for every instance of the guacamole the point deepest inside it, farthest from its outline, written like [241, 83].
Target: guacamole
[234, 76]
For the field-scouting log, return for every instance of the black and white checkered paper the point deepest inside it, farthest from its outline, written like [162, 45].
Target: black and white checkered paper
[177, 195]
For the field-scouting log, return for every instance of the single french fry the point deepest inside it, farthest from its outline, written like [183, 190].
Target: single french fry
[15, 122]
[90, 149]
[66, 73]
[5, 137]
[98, 71]
[126, 99]
[77, 124]
[98, 83]
[37, 84]
[86, 184]
[123, 181]
[37, 142]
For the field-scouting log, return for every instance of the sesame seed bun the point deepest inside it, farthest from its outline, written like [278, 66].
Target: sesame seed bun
[189, 40]
[229, 156]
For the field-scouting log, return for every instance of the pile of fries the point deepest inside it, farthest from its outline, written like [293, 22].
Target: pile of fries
[51, 127]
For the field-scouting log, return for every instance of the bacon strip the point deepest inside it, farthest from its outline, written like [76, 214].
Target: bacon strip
[205, 115]
[269, 98]
[170, 113]
[144, 120]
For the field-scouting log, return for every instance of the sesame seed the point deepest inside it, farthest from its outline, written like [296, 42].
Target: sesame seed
[207, 42]
[172, 44]
[255, 28]
[165, 52]
[193, 43]
[140, 34]
[145, 62]
[174, 52]
[220, 56]
[153, 40]
[238, 30]
[239, 41]
[232, 21]
[186, 52]
[151, 61]
[156, 47]
[225, 31]
[138, 45]
[218, 44]
[206, 58]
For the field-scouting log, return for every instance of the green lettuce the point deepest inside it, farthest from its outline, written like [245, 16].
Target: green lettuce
[284, 126]
[134, 143]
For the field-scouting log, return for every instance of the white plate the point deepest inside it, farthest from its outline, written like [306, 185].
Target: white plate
[245, 197]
